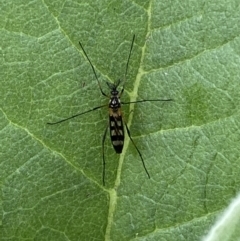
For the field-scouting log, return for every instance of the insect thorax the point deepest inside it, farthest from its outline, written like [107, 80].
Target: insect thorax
[114, 103]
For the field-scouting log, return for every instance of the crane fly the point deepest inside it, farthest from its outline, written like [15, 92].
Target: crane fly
[116, 123]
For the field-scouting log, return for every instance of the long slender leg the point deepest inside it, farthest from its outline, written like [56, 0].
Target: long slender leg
[92, 69]
[71, 117]
[125, 75]
[128, 132]
[103, 155]
[139, 101]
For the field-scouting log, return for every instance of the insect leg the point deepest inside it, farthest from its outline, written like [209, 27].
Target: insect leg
[128, 132]
[92, 69]
[103, 155]
[139, 101]
[71, 117]
[125, 75]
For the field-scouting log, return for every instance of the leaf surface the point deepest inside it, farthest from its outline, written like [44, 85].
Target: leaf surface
[51, 176]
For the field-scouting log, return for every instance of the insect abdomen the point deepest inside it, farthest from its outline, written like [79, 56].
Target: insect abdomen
[116, 132]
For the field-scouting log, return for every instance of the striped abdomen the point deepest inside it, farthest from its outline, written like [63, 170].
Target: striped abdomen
[116, 130]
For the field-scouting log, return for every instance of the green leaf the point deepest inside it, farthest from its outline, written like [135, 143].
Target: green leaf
[51, 176]
[227, 226]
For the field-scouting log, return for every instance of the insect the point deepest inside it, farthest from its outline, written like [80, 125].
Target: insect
[116, 123]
